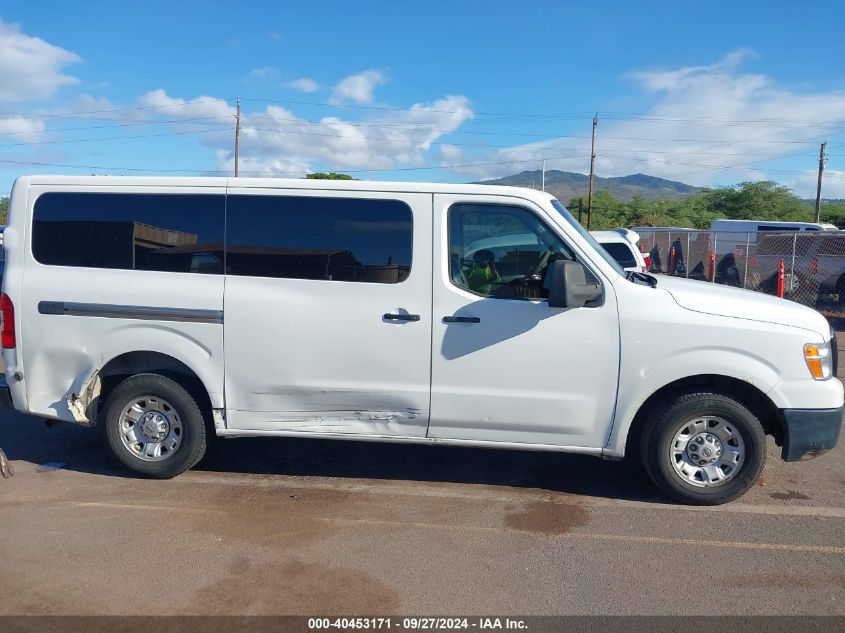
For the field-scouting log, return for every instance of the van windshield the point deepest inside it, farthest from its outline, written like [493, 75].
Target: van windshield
[586, 235]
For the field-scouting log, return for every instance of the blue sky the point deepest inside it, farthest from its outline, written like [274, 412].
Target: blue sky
[706, 92]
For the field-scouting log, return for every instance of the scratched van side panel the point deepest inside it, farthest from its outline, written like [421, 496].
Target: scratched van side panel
[77, 319]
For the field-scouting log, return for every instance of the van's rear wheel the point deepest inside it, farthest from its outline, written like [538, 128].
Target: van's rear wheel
[154, 426]
[703, 448]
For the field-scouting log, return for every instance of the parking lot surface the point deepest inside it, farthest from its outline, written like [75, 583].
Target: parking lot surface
[278, 526]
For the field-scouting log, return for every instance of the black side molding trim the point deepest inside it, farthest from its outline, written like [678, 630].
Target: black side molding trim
[146, 313]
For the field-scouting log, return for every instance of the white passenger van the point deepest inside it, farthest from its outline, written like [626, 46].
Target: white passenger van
[171, 310]
[755, 226]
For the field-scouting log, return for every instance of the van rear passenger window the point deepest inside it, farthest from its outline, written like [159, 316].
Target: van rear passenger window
[164, 232]
[337, 239]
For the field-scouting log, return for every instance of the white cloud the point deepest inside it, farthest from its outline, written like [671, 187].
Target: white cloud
[687, 77]
[305, 85]
[276, 141]
[173, 108]
[258, 166]
[31, 69]
[833, 184]
[358, 88]
[265, 72]
[21, 130]
[710, 124]
[87, 106]
[449, 153]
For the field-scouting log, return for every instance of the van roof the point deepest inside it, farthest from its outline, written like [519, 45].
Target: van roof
[778, 222]
[288, 183]
[609, 236]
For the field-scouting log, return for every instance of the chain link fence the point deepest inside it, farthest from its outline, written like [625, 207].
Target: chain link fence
[813, 262]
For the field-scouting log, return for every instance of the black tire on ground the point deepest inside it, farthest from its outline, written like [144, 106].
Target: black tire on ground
[659, 431]
[192, 430]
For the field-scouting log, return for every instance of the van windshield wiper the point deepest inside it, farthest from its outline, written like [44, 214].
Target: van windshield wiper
[636, 277]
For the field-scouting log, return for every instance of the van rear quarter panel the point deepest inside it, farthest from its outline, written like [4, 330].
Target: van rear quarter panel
[14, 241]
[61, 353]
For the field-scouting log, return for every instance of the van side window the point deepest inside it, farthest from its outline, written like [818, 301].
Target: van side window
[336, 239]
[501, 251]
[163, 232]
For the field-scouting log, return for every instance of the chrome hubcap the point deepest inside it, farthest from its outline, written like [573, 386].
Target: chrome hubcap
[150, 428]
[704, 449]
[707, 451]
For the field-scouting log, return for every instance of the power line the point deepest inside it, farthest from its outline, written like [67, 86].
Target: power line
[417, 126]
[571, 115]
[213, 171]
[422, 129]
[388, 140]
[118, 125]
[115, 138]
[85, 113]
[615, 116]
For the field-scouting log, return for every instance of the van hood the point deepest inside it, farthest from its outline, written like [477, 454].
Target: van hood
[719, 300]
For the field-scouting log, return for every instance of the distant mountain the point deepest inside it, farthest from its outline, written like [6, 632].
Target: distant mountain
[566, 184]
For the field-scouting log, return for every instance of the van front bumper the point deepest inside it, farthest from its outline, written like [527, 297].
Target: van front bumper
[809, 432]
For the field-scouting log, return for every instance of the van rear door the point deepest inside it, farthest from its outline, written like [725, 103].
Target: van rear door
[328, 311]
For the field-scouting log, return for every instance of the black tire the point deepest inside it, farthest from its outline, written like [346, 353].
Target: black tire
[192, 427]
[678, 412]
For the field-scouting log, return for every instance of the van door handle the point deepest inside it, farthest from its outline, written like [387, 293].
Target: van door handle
[461, 319]
[400, 317]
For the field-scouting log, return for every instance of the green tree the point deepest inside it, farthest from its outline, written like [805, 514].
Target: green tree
[4, 210]
[764, 200]
[833, 213]
[329, 176]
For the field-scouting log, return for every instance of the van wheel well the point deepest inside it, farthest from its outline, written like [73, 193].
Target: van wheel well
[121, 367]
[755, 400]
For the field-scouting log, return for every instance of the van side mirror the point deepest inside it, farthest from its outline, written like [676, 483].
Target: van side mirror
[567, 285]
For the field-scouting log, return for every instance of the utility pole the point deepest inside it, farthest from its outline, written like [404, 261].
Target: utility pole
[544, 174]
[237, 133]
[819, 185]
[592, 169]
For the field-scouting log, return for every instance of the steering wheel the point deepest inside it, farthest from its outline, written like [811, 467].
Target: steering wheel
[538, 265]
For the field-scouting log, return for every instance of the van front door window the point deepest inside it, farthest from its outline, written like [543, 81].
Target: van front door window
[501, 251]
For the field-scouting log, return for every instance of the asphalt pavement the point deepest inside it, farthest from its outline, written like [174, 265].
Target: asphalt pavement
[284, 526]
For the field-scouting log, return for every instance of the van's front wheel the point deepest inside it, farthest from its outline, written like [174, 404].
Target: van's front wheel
[703, 448]
[154, 426]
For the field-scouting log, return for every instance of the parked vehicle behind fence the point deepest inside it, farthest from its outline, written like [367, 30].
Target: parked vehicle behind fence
[813, 261]
[407, 312]
[760, 226]
[729, 249]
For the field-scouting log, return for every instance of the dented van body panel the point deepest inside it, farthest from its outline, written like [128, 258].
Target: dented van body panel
[354, 310]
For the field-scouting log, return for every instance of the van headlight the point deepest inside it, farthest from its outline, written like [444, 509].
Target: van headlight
[819, 359]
